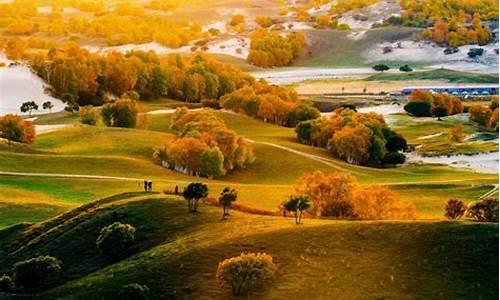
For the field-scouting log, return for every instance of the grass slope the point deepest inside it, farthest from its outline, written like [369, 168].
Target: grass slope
[176, 254]
[438, 74]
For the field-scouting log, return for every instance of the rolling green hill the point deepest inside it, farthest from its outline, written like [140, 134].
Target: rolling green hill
[176, 253]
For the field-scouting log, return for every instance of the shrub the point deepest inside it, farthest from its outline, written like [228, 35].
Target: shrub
[134, 291]
[454, 209]
[484, 211]
[114, 239]
[418, 109]
[37, 273]
[394, 158]
[16, 129]
[122, 113]
[212, 103]
[381, 67]
[406, 68]
[456, 133]
[245, 272]
[6, 284]
[88, 115]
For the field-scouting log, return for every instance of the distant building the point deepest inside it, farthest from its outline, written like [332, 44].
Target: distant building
[464, 91]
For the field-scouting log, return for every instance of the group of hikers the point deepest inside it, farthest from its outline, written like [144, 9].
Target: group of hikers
[148, 187]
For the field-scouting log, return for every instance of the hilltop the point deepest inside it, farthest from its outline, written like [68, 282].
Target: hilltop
[176, 253]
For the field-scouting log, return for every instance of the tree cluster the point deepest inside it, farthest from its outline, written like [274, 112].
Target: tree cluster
[485, 116]
[426, 12]
[339, 195]
[426, 104]
[358, 138]
[204, 145]
[270, 103]
[454, 34]
[270, 49]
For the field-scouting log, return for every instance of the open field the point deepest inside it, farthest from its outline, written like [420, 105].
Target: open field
[281, 160]
[347, 259]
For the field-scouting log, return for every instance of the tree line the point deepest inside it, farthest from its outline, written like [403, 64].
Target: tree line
[426, 104]
[75, 74]
[270, 49]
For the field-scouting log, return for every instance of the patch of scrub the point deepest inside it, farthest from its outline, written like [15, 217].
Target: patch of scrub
[432, 54]
[364, 19]
[18, 84]
[482, 163]
[295, 75]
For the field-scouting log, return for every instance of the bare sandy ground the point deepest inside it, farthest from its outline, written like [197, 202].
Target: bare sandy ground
[357, 86]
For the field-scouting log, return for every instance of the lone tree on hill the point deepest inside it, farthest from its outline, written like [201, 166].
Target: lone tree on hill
[381, 67]
[227, 196]
[48, 105]
[29, 107]
[297, 204]
[193, 193]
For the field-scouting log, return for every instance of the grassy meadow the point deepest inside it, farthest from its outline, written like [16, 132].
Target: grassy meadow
[180, 252]
[124, 157]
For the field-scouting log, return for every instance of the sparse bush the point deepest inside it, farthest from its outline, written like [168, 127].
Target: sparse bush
[6, 284]
[454, 209]
[37, 273]
[114, 239]
[226, 198]
[405, 68]
[456, 133]
[88, 115]
[134, 291]
[484, 211]
[245, 272]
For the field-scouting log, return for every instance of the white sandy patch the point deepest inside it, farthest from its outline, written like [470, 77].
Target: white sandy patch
[322, 10]
[363, 19]
[295, 75]
[17, 85]
[297, 26]
[384, 109]
[482, 163]
[41, 129]
[44, 9]
[410, 51]
[430, 136]
[220, 25]
[237, 47]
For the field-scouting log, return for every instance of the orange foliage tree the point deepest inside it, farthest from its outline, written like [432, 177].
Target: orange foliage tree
[16, 129]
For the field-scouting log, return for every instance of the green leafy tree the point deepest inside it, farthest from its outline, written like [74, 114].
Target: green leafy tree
[47, 105]
[193, 193]
[212, 163]
[381, 67]
[297, 205]
[28, 107]
[158, 82]
[115, 239]
[418, 108]
[37, 273]
[226, 198]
